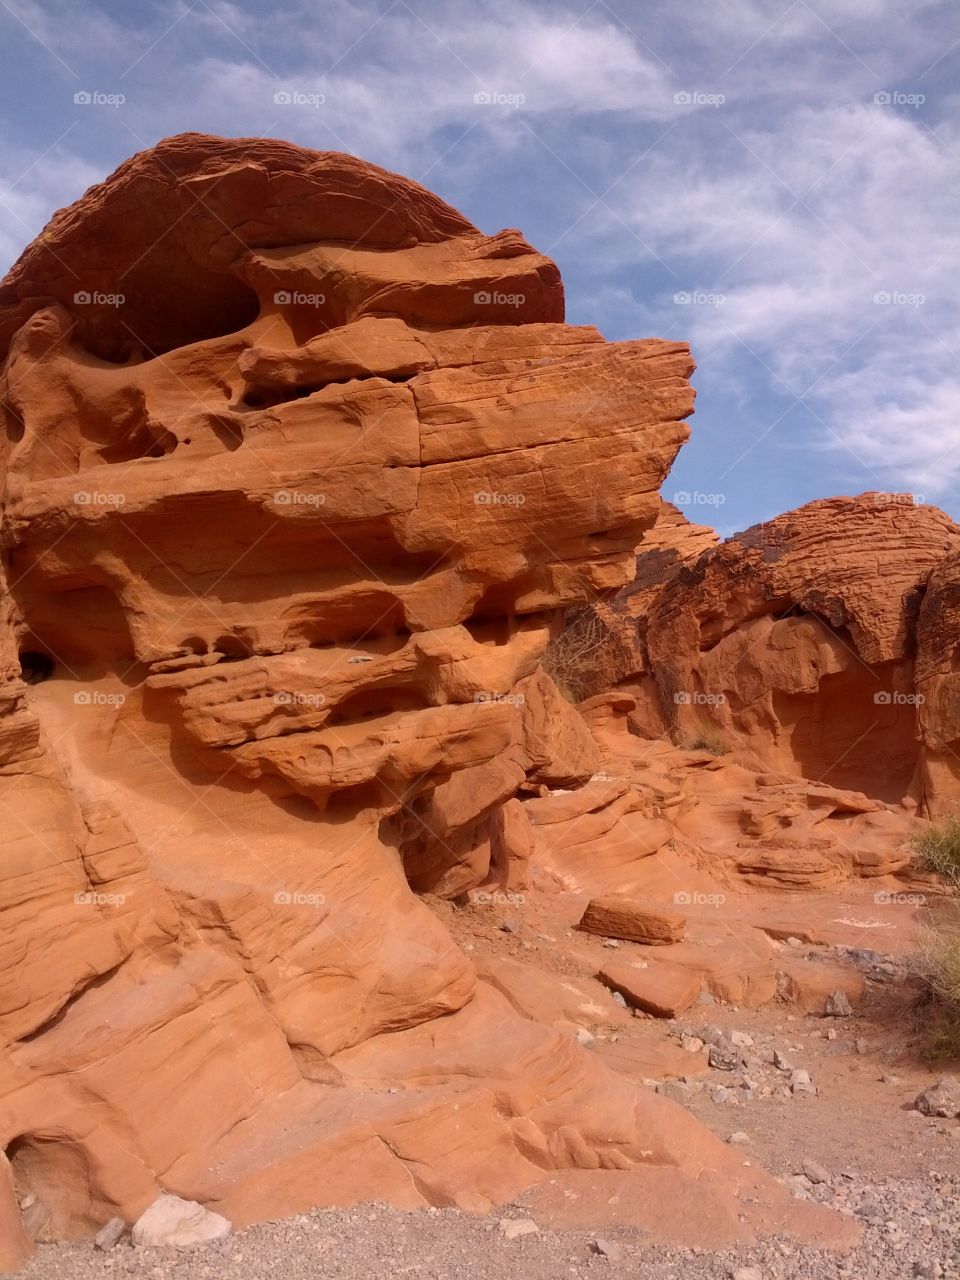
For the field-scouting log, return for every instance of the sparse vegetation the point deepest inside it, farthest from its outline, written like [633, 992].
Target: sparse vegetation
[576, 659]
[706, 737]
[937, 849]
[938, 966]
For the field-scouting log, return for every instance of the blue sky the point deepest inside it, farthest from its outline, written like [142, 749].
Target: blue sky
[775, 182]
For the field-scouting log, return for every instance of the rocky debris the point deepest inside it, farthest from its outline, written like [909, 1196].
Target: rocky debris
[910, 1227]
[632, 921]
[940, 1099]
[179, 1223]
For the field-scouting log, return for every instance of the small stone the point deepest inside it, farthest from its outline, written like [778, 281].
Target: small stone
[511, 926]
[860, 1046]
[837, 1005]
[607, 1249]
[781, 1062]
[800, 1082]
[830, 1033]
[814, 1171]
[585, 1037]
[692, 1044]
[724, 1056]
[619, 999]
[940, 1099]
[613, 943]
[511, 1228]
[739, 1138]
[747, 1273]
[741, 1039]
[109, 1234]
[720, 1093]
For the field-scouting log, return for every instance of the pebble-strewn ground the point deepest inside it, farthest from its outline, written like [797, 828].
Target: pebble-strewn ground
[912, 1229]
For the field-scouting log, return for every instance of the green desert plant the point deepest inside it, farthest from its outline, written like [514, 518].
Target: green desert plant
[937, 849]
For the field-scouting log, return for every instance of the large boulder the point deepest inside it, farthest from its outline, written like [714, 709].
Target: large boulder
[300, 472]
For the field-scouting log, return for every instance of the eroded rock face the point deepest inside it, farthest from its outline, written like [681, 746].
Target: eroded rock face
[796, 640]
[300, 471]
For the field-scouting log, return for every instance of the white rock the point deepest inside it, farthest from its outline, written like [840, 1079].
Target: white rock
[607, 1249]
[109, 1234]
[181, 1223]
[510, 1228]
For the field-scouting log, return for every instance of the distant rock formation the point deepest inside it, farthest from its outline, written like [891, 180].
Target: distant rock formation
[820, 642]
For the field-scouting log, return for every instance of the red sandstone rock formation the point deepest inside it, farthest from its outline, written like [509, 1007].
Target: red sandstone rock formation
[795, 642]
[604, 643]
[299, 471]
